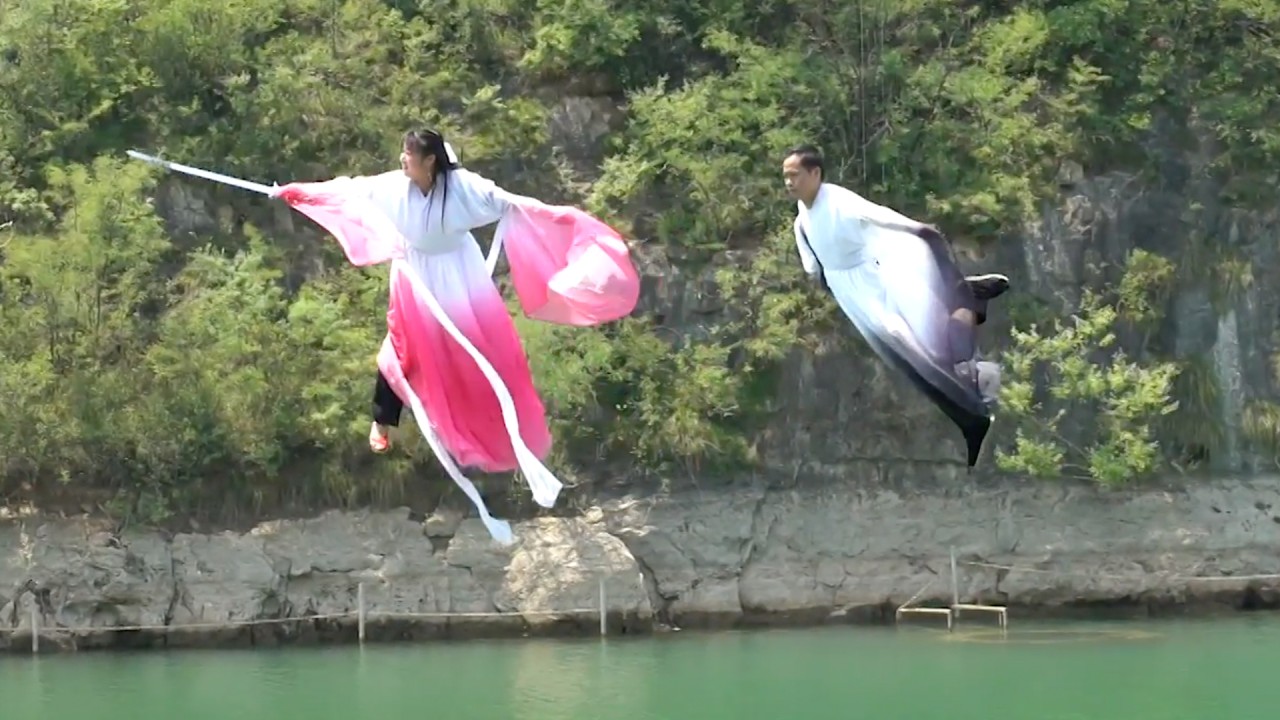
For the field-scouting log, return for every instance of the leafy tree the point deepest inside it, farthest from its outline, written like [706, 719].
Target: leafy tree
[1075, 370]
[218, 363]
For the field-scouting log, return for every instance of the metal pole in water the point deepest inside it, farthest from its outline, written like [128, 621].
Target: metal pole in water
[955, 580]
[955, 587]
[360, 611]
[603, 610]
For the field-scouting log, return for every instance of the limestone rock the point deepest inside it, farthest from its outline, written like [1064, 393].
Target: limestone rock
[560, 564]
[815, 547]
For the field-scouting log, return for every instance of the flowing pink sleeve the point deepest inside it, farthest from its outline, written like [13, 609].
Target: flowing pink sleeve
[342, 206]
[567, 267]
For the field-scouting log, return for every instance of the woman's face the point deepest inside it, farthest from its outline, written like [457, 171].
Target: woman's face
[419, 169]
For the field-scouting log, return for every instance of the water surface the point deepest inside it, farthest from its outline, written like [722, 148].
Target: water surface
[1202, 670]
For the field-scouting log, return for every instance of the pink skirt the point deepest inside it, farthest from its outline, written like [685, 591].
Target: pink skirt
[458, 396]
[451, 352]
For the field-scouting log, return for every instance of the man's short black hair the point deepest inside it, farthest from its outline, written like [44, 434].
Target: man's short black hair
[810, 157]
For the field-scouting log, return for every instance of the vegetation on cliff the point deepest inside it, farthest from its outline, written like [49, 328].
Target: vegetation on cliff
[157, 369]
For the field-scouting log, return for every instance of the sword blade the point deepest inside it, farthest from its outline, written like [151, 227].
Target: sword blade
[197, 172]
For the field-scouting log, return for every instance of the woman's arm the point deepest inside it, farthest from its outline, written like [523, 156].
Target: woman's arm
[480, 201]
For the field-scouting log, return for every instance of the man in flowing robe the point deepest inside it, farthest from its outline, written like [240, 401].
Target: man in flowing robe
[896, 282]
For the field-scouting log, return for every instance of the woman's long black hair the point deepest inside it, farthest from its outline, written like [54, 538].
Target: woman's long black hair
[429, 143]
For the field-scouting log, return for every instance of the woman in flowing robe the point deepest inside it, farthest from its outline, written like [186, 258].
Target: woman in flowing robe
[451, 351]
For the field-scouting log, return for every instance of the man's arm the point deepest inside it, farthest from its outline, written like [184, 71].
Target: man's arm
[885, 217]
[808, 260]
[891, 219]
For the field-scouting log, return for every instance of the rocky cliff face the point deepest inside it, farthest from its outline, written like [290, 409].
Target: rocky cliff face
[1221, 317]
[833, 550]
[1220, 320]
[857, 504]
[1222, 310]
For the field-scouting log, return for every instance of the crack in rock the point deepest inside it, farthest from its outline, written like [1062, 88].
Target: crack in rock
[758, 540]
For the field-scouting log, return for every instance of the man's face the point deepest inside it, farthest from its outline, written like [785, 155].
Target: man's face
[801, 182]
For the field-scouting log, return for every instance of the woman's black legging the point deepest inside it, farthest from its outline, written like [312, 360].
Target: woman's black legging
[387, 406]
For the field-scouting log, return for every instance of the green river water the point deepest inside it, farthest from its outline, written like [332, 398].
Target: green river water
[1202, 670]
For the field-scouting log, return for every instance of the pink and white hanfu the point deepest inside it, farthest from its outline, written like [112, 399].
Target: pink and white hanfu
[451, 349]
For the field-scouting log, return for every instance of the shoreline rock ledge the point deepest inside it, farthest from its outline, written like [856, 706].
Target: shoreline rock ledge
[811, 553]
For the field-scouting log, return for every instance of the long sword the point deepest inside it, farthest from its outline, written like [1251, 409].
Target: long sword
[197, 172]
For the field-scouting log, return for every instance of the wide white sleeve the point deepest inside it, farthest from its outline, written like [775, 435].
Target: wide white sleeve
[877, 214]
[808, 260]
[367, 187]
[479, 200]
[382, 191]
